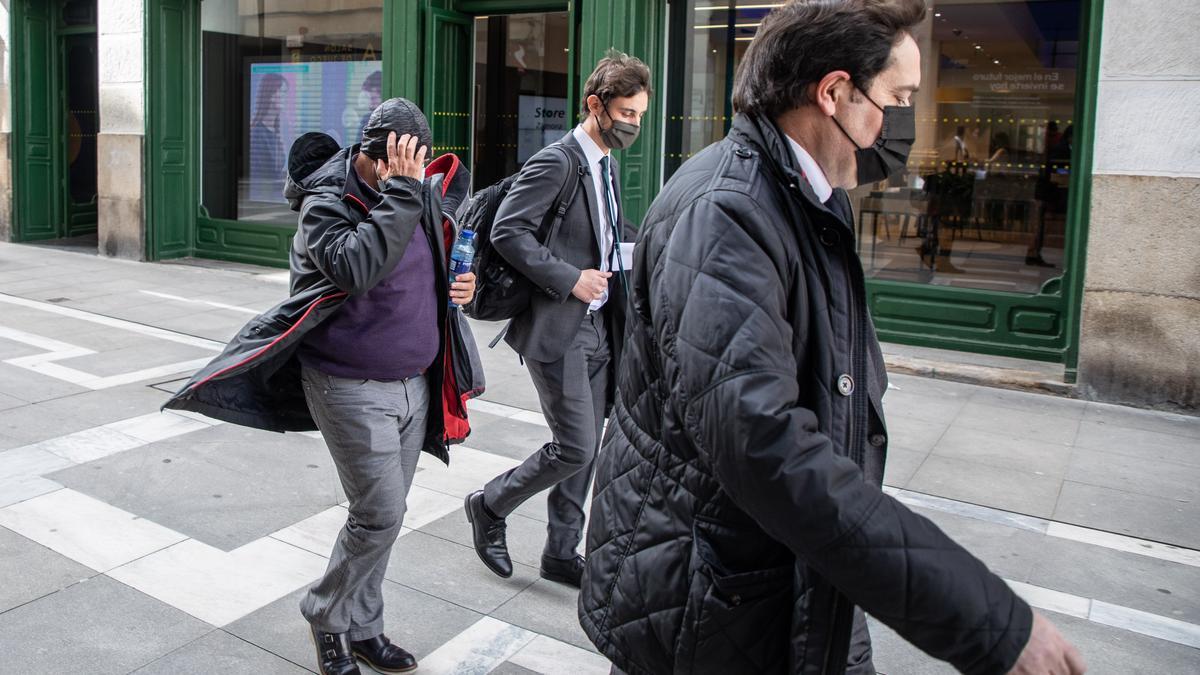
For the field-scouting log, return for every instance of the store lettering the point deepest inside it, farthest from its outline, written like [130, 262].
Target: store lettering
[543, 113]
[1000, 81]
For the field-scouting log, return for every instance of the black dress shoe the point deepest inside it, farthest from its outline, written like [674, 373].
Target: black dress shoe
[333, 653]
[489, 536]
[382, 655]
[567, 571]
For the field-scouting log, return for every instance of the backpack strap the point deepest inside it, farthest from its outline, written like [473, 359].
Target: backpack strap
[566, 194]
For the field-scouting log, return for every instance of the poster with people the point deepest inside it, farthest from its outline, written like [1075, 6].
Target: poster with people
[289, 99]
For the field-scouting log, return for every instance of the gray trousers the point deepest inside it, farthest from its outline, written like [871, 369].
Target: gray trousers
[572, 392]
[374, 431]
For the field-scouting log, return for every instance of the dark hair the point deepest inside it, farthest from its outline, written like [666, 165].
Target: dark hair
[616, 75]
[805, 40]
[373, 82]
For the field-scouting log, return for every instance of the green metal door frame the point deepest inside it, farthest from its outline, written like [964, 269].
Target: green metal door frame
[1079, 201]
[636, 27]
[171, 158]
[38, 150]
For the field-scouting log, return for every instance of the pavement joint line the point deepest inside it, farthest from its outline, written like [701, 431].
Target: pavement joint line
[1051, 528]
[210, 303]
[111, 322]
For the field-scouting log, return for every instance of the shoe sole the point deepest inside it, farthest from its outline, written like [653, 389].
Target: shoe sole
[381, 669]
[550, 576]
[467, 508]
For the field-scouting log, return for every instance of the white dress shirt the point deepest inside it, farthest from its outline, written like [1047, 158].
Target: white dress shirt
[594, 154]
[812, 171]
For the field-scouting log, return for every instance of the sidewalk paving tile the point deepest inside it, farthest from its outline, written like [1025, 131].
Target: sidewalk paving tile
[1155, 518]
[903, 404]
[1149, 420]
[30, 570]
[416, 621]
[220, 652]
[1132, 474]
[1040, 404]
[914, 434]
[453, 572]
[549, 608]
[1139, 582]
[526, 536]
[226, 501]
[32, 387]
[1022, 424]
[102, 623]
[1150, 446]
[1005, 451]
[902, 463]
[1009, 552]
[977, 483]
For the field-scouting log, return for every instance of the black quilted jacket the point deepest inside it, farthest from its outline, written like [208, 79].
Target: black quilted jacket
[737, 516]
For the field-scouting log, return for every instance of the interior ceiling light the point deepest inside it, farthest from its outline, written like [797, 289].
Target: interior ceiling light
[720, 8]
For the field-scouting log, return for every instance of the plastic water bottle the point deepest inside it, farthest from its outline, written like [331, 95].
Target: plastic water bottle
[461, 257]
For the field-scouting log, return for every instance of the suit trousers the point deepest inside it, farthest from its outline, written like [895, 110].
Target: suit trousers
[572, 391]
[374, 431]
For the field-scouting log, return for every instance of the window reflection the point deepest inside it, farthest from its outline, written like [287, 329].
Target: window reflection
[271, 73]
[982, 202]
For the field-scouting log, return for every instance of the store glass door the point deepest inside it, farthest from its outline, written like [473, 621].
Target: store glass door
[520, 87]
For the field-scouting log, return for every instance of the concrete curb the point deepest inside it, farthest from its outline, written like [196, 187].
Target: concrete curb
[988, 376]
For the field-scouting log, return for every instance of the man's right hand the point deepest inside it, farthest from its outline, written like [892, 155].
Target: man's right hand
[405, 158]
[591, 285]
[1048, 652]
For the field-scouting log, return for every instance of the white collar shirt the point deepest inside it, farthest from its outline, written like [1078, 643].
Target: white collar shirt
[812, 171]
[594, 155]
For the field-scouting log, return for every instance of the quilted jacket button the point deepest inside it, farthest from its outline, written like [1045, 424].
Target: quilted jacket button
[828, 236]
[877, 440]
[735, 600]
[845, 384]
[743, 153]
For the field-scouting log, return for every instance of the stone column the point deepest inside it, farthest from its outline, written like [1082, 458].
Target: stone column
[1140, 335]
[6, 192]
[121, 190]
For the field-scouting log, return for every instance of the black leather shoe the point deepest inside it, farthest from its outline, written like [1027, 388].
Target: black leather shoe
[382, 655]
[489, 535]
[333, 654]
[568, 571]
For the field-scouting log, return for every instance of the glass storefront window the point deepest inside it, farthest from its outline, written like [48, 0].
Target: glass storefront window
[982, 203]
[520, 91]
[272, 71]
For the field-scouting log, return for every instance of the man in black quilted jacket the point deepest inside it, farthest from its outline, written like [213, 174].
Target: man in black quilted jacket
[738, 525]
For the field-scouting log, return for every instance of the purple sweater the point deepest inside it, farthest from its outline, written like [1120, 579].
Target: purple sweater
[390, 332]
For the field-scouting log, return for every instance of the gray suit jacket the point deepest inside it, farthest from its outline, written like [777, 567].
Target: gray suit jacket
[545, 330]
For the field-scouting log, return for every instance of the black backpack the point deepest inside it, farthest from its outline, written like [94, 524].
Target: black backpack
[501, 292]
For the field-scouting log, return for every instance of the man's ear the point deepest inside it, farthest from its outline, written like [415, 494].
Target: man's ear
[595, 106]
[831, 90]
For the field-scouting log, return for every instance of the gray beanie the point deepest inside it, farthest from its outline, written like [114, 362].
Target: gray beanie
[401, 116]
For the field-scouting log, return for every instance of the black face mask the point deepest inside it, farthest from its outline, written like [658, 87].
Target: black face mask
[889, 153]
[619, 135]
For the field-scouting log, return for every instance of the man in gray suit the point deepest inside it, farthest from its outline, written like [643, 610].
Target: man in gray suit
[571, 333]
